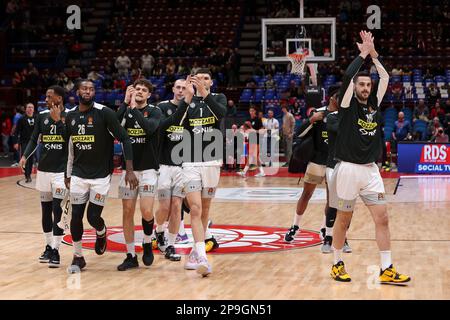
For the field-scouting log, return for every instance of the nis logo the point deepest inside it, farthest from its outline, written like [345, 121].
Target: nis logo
[435, 153]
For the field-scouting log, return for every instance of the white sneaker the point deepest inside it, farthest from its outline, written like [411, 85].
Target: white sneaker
[346, 248]
[203, 267]
[191, 261]
[241, 173]
[15, 164]
[261, 174]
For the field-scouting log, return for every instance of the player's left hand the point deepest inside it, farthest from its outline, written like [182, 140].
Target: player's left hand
[133, 100]
[200, 86]
[131, 179]
[55, 112]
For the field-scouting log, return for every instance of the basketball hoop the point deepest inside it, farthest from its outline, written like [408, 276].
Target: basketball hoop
[298, 62]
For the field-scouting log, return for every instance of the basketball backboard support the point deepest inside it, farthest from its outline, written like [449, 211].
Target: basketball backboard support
[283, 36]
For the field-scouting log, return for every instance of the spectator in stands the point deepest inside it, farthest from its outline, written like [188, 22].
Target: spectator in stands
[171, 67]
[73, 73]
[421, 111]
[75, 50]
[159, 68]
[231, 110]
[437, 111]
[122, 64]
[135, 72]
[434, 126]
[71, 103]
[447, 106]
[288, 133]
[108, 81]
[195, 67]
[257, 70]
[182, 68]
[439, 136]
[397, 71]
[397, 89]
[17, 80]
[428, 75]
[402, 128]
[433, 93]
[270, 83]
[147, 63]
[6, 125]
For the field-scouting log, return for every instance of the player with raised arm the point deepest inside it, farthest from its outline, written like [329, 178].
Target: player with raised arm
[357, 148]
[200, 113]
[141, 121]
[50, 131]
[90, 131]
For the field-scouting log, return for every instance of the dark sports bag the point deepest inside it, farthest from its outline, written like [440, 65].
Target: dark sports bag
[302, 152]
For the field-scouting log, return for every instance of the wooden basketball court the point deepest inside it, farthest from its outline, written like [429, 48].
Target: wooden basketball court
[420, 244]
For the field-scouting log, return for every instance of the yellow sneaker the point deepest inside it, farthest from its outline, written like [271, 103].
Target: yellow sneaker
[338, 272]
[391, 276]
[154, 244]
[211, 244]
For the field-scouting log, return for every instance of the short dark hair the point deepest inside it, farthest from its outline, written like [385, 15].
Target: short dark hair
[145, 83]
[204, 70]
[361, 74]
[58, 90]
[332, 90]
[79, 82]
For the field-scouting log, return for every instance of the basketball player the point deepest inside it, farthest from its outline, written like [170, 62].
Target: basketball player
[91, 128]
[170, 184]
[357, 148]
[141, 121]
[315, 171]
[50, 130]
[200, 116]
[332, 128]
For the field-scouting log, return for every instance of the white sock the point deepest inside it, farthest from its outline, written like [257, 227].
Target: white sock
[208, 234]
[77, 248]
[131, 249]
[166, 224]
[171, 237]
[147, 238]
[329, 231]
[337, 255]
[246, 169]
[200, 248]
[160, 228]
[386, 259]
[261, 170]
[297, 218]
[100, 233]
[181, 231]
[49, 238]
[57, 242]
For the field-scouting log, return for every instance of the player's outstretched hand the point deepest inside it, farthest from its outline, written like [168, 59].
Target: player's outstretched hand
[131, 179]
[67, 183]
[188, 93]
[367, 45]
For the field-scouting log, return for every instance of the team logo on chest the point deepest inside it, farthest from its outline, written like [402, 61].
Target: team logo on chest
[145, 114]
[46, 121]
[90, 121]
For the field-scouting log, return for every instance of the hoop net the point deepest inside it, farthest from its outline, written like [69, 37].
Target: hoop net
[298, 62]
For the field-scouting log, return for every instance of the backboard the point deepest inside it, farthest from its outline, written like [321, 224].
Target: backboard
[281, 37]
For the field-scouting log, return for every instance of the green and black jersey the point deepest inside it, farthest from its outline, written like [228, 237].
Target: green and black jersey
[332, 129]
[90, 136]
[51, 134]
[359, 133]
[142, 128]
[170, 135]
[201, 122]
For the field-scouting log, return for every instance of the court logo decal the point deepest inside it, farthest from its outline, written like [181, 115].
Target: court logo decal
[279, 195]
[231, 239]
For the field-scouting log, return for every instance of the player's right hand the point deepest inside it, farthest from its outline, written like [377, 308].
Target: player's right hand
[22, 163]
[188, 93]
[129, 93]
[131, 179]
[67, 183]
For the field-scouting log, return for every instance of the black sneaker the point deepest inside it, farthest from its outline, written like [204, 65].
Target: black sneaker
[45, 256]
[171, 254]
[147, 256]
[161, 241]
[129, 263]
[78, 263]
[54, 259]
[289, 237]
[100, 243]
